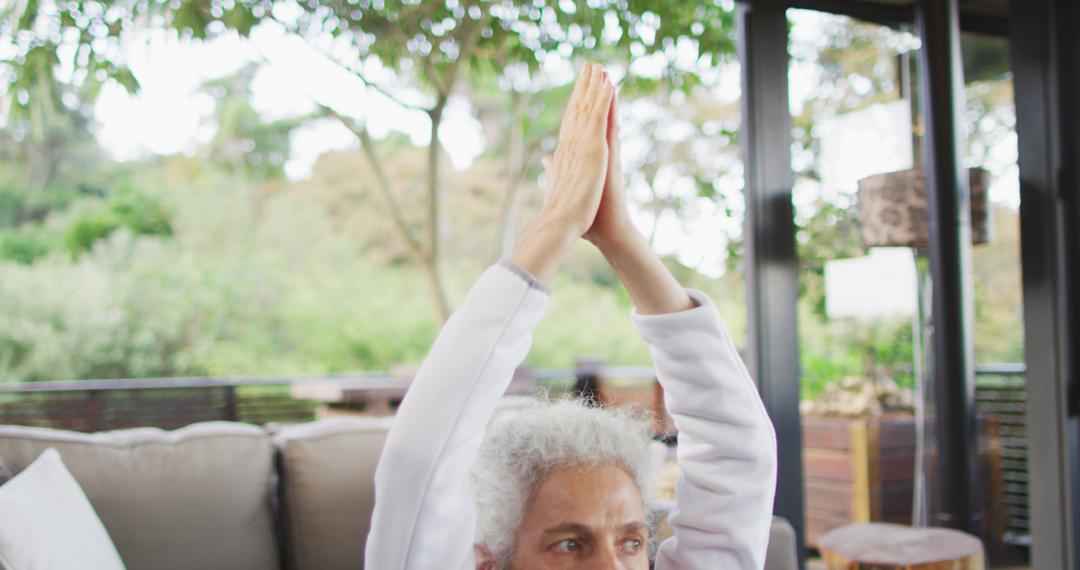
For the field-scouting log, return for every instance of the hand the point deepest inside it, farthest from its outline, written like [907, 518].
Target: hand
[612, 223]
[574, 177]
[576, 174]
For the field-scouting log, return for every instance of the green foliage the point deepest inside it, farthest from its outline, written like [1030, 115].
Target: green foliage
[253, 284]
[45, 171]
[138, 212]
[433, 39]
[832, 232]
[11, 205]
[245, 144]
[985, 58]
[87, 229]
[831, 351]
[26, 245]
[216, 265]
[436, 48]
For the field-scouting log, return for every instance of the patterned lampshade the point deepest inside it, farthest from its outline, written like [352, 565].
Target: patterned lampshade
[893, 209]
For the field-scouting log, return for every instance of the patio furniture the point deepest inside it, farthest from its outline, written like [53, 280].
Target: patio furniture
[881, 546]
[230, 495]
[860, 470]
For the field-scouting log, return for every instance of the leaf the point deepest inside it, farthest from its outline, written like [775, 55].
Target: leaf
[24, 20]
[240, 18]
[191, 18]
[125, 78]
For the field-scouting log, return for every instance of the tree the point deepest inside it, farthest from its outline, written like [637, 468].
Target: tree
[244, 142]
[440, 49]
[44, 169]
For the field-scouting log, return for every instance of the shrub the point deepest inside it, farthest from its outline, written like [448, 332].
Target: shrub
[26, 244]
[139, 212]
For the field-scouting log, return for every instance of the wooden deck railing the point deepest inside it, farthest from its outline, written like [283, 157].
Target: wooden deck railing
[169, 403]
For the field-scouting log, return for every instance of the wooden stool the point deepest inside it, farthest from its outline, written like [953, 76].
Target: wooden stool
[880, 546]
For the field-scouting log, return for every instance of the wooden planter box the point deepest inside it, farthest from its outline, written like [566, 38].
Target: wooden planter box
[857, 471]
[862, 470]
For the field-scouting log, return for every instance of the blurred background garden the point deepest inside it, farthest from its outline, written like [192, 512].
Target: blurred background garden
[263, 211]
[207, 188]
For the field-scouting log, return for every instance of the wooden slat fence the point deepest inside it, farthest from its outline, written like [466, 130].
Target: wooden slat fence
[1000, 390]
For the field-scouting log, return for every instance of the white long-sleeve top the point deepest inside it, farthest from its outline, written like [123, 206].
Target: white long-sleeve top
[425, 514]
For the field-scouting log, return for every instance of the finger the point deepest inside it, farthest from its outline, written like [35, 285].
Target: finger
[546, 161]
[613, 120]
[602, 104]
[582, 83]
[614, 152]
[597, 80]
[598, 75]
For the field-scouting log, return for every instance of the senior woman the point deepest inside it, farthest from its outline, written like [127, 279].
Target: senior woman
[563, 485]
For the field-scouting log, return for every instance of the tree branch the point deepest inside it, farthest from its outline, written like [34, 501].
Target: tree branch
[435, 185]
[434, 168]
[368, 146]
[433, 75]
[470, 36]
[516, 174]
[371, 84]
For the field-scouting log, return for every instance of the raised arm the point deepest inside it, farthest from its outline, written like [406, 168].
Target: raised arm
[650, 285]
[424, 509]
[727, 447]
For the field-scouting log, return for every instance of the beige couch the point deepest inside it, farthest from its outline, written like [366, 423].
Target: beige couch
[233, 496]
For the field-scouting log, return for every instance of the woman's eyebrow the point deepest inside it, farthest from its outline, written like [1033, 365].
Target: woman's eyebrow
[568, 527]
[635, 525]
[578, 528]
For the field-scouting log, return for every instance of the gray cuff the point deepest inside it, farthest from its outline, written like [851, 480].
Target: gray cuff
[524, 274]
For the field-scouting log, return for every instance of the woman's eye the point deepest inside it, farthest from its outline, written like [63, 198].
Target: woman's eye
[632, 545]
[568, 545]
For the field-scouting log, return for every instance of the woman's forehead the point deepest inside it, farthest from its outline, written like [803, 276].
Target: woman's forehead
[596, 497]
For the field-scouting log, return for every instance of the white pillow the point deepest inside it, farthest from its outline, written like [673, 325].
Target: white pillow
[47, 523]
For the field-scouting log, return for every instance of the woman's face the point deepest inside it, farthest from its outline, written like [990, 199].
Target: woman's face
[584, 518]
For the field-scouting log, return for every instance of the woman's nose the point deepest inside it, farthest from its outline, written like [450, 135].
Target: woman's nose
[606, 558]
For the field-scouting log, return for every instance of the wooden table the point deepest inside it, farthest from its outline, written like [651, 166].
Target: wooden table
[882, 546]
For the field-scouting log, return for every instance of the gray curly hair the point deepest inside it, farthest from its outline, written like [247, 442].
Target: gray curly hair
[522, 447]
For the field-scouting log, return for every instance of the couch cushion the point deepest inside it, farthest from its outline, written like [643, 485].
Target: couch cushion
[327, 491]
[5, 473]
[46, 523]
[197, 497]
[782, 554]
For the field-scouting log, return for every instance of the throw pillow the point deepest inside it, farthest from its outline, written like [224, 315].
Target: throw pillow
[47, 523]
